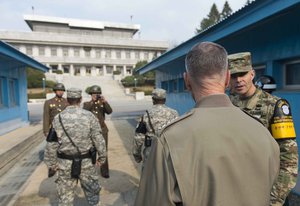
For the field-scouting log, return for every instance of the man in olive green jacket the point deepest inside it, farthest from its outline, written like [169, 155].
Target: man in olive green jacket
[210, 157]
[99, 107]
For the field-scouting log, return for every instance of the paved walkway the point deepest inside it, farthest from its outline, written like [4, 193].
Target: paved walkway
[119, 189]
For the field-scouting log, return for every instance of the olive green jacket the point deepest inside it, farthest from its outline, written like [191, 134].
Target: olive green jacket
[211, 157]
[99, 109]
[51, 108]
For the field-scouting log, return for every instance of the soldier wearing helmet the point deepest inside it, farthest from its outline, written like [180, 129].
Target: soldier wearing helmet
[53, 106]
[274, 112]
[99, 107]
[266, 83]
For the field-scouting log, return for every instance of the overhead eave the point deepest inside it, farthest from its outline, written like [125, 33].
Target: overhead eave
[245, 17]
[20, 59]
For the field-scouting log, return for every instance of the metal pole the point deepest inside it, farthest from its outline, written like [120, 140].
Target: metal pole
[44, 85]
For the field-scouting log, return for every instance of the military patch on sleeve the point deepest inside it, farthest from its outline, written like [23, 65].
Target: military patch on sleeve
[282, 125]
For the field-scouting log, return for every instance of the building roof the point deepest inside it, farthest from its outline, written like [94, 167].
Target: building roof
[12, 58]
[247, 17]
[79, 23]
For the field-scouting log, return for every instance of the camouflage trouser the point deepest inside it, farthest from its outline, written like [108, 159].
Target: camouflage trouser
[88, 179]
[288, 172]
[104, 167]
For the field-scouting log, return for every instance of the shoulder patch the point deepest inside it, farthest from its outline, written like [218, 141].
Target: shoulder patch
[282, 125]
[184, 116]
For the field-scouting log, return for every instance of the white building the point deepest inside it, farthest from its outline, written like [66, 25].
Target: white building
[81, 47]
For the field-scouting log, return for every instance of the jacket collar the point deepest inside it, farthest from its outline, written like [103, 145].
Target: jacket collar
[215, 100]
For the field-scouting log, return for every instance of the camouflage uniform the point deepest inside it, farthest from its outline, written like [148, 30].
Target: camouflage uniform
[85, 131]
[51, 108]
[262, 105]
[160, 116]
[99, 109]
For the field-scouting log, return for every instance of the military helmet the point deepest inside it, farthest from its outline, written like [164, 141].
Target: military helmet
[59, 87]
[95, 89]
[266, 83]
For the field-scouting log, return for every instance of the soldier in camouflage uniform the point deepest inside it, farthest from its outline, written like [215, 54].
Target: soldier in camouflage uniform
[53, 106]
[160, 115]
[83, 129]
[275, 114]
[99, 107]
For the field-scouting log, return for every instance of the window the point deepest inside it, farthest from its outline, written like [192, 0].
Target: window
[129, 70]
[53, 51]
[109, 69]
[65, 52]
[181, 85]
[146, 55]
[1, 92]
[137, 55]
[127, 54]
[98, 53]
[41, 51]
[107, 54]
[76, 52]
[292, 75]
[66, 69]
[88, 70]
[87, 53]
[29, 50]
[173, 85]
[12, 92]
[165, 85]
[118, 54]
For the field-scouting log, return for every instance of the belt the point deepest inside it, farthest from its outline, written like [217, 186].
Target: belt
[71, 157]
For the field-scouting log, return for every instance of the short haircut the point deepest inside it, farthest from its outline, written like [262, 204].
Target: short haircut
[206, 59]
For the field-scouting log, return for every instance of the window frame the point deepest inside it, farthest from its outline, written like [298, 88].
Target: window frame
[285, 86]
[13, 92]
[53, 51]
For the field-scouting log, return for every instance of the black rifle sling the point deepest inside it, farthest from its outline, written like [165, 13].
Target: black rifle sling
[150, 123]
[68, 135]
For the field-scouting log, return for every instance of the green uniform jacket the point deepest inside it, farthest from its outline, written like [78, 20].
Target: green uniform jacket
[210, 157]
[99, 109]
[51, 108]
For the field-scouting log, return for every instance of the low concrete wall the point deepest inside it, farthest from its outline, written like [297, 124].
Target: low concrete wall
[13, 155]
[139, 95]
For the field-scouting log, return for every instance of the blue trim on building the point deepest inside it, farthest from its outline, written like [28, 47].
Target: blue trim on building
[13, 108]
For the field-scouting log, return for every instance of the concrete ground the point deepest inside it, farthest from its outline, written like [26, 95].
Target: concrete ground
[119, 189]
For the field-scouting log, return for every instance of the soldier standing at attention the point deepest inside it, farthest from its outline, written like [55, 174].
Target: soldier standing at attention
[77, 132]
[209, 156]
[154, 120]
[275, 114]
[99, 107]
[53, 106]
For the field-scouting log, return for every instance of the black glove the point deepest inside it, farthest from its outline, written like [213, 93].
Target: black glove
[138, 158]
[51, 172]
